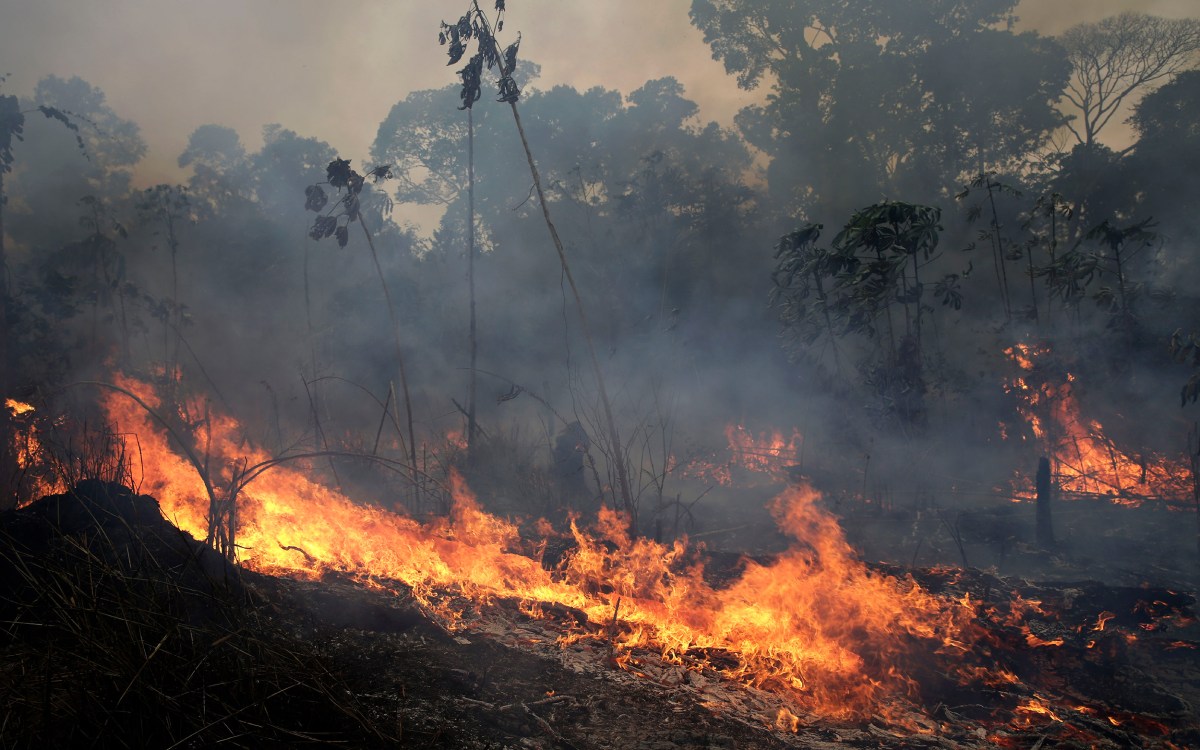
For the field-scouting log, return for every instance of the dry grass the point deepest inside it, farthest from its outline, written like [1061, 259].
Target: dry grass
[117, 630]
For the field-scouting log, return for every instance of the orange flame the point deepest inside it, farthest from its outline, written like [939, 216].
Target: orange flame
[816, 626]
[768, 454]
[1086, 461]
[17, 407]
[30, 455]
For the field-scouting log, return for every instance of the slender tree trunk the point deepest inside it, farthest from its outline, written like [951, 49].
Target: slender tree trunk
[616, 448]
[1126, 312]
[837, 364]
[917, 285]
[1194, 456]
[887, 308]
[471, 425]
[8, 461]
[387, 296]
[998, 252]
[1045, 489]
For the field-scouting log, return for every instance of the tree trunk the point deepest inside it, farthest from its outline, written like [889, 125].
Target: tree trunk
[1045, 527]
[8, 459]
[471, 425]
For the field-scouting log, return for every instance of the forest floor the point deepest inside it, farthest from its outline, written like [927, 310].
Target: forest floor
[120, 629]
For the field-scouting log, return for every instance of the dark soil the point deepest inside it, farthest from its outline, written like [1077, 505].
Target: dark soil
[118, 630]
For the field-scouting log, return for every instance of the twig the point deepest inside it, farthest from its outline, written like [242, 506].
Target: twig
[545, 726]
[293, 548]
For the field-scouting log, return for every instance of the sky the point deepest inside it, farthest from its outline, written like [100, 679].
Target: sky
[333, 70]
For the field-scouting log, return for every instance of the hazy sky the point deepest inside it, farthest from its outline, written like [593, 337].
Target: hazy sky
[333, 69]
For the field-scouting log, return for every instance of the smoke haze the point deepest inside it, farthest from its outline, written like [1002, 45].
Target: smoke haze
[332, 71]
[671, 188]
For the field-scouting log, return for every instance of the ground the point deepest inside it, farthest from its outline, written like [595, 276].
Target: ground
[120, 629]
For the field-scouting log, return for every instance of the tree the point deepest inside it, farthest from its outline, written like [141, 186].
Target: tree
[650, 202]
[167, 208]
[1116, 58]
[869, 281]
[872, 99]
[220, 172]
[12, 129]
[1167, 121]
[476, 24]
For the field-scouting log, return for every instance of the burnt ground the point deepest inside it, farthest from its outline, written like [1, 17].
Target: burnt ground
[119, 629]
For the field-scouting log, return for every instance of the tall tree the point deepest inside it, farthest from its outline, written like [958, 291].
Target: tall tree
[1116, 58]
[12, 129]
[1168, 124]
[872, 99]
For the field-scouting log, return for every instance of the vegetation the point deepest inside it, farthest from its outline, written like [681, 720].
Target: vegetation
[892, 296]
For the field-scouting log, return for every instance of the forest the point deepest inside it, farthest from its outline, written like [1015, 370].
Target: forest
[919, 286]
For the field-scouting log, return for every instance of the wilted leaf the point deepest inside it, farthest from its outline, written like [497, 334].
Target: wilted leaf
[456, 51]
[343, 236]
[339, 173]
[508, 90]
[314, 198]
[323, 226]
[510, 56]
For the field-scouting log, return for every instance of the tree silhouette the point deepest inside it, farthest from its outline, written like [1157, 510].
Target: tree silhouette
[1119, 56]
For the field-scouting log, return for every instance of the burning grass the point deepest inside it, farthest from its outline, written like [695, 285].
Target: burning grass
[815, 625]
[811, 637]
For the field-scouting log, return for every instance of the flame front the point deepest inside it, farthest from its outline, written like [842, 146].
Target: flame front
[816, 625]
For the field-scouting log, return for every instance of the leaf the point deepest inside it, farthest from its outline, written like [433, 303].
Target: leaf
[510, 56]
[57, 114]
[456, 51]
[381, 172]
[343, 236]
[339, 173]
[323, 226]
[499, 6]
[509, 92]
[472, 81]
[314, 198]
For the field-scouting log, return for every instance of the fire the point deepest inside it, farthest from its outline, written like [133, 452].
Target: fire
[17, 407]
[1102, 621]
[768, 454]
[787, 721]
[816, 626]
[29, 452]
[1036, 707]
[1086, 462]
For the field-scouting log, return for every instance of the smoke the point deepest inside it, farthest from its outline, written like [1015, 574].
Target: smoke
[667, 227]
